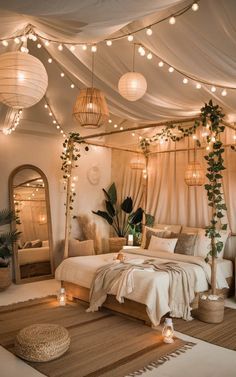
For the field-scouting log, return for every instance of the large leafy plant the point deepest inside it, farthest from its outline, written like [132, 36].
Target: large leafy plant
[7, 238]
[121, 217]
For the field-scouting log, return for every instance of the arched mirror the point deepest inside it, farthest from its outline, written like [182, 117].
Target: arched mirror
[29, 197]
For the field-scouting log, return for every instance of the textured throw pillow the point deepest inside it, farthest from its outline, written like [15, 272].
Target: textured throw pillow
[145, 229]
[162, 244]
[36, 243]
[81, 248]
[185, 244]
[153, 232]
[27, 245]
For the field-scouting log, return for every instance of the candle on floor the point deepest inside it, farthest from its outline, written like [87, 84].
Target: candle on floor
[62, 297]
[168, 331]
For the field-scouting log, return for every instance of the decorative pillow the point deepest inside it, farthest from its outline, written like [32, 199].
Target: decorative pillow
[145, 229]
[162, 244]
[170, 228]
[150, 233]
[203, 245]
[81, 248]
[36, 243]
[27, 245]
[185, 244]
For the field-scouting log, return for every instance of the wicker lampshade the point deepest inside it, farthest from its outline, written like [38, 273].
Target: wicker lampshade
[194, 174]
[23, 79]
[90, 109]
[132, 86]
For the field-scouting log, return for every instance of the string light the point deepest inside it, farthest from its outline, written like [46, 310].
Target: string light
[94, 48]
[115, 125]
[171, 69]
[133, 134]
[109, 121]
[185, 80]
[149, 56]
[51, 114]
[60, 47]
[5, 43]
[109, 43]
[224, 93]
[161, 64]
[195, 7]
[172, 20]
[62, 74]
[50, 60]
[121, 128]
[213, 89]
[72, 86]
[84, 47]
[198, 86]
[130, 37]
[149, 31]
[14, 124]
[39, 45]
[47, 43]
[72, 48]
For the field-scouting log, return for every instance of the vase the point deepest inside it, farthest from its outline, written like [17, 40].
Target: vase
[5, 278]
[116, 244]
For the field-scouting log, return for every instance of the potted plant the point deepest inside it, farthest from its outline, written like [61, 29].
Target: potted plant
[7, 239]
[211, 306]
[121, 217]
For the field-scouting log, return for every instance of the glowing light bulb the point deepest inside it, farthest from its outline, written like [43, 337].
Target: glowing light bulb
[133, 134]
[109, 43]
[72, 86]
[195, 7]
[161, 64]
[46, 106]
[5, 43]
[185, 80]
[130, 37]
[149, 31]
[47, 43]
[149, 56]
[62, 74]
[213, 89]
[109, 121]
[172, 20]
[23, 38]
[72, 48]
[224, 93]
[60, 47]
[50, 114]
[115, 125]
[171, 69]
[94, 48]
[198, 86]
[17, 40]
[234, 137]
[39, 45]
[84, 47]
[50, 60]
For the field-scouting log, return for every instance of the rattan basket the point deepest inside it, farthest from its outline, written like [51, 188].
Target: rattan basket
[116, 244]
[211, 311]
[5, 278]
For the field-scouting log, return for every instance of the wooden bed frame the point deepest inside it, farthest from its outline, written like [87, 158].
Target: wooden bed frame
[129, 307]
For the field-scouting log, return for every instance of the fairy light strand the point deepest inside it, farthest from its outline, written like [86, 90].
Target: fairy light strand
[53, 117]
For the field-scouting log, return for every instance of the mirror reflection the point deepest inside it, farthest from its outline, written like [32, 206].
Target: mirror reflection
[30, 200]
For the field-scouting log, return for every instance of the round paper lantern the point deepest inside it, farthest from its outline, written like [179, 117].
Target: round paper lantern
[132, 86]
[90, 109]
[23, 79]
[194, 174]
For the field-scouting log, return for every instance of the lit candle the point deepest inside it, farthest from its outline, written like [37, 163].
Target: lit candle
[130, 239]
[62, 297]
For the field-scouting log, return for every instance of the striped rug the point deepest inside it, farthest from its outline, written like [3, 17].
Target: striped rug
[102, 343]
[221, 334]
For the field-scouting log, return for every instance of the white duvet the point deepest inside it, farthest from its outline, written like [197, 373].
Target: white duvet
[151, 288]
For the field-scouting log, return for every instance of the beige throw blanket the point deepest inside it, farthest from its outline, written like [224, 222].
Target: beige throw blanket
[181, 284]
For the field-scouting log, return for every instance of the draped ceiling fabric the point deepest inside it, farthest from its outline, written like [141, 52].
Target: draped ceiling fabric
[201, 44]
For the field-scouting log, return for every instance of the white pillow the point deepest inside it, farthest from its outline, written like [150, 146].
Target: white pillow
[162, 244]
[203, 243]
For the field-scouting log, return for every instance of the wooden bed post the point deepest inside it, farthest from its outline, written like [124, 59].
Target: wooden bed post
[68, 199]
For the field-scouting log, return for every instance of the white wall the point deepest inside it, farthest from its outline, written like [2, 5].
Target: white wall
[44, 152]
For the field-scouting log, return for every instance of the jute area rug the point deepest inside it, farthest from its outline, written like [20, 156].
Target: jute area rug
[221, 334]
[102, 343]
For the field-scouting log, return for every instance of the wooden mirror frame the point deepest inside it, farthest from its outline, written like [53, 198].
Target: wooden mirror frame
[17, 277]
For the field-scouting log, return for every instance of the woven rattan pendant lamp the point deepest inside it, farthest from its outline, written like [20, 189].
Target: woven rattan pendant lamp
[90, 109]
[194, 174]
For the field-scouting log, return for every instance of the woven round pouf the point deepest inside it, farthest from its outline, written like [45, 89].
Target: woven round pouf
[42, 342]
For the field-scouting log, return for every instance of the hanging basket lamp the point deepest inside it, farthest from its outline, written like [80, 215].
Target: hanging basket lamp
[194, 174]
[23, 79]
[90, 109]
[132, 86]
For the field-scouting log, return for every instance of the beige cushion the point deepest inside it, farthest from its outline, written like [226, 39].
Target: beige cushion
[172, 228]
[190, 230]
[80, 248]
[162, 244]
[153, 232]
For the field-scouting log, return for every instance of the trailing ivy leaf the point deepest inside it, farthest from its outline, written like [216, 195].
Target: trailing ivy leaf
[224, 226]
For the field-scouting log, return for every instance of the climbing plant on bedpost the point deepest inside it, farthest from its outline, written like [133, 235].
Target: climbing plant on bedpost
[212, 116]
[70, 156]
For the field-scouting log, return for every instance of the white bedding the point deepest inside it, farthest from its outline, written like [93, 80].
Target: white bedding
[150, 287]
[33, 255]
